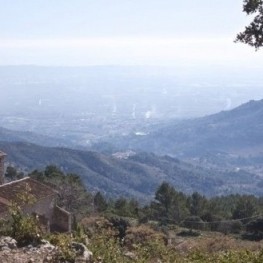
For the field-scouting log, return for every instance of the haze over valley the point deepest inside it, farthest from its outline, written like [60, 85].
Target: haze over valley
[120, 112]
[82, 105]
[132, 78]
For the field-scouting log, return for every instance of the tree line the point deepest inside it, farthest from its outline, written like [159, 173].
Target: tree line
[231, 213]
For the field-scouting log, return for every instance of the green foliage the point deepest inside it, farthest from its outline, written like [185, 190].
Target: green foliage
[155, 251]
[253, 33]
[226, 214]
[142, 172]
[112, 238]
[124, 207]
[100, 202]
[79, 234]
[170, 205]
[255, 225]
[226, 257]
[73, 195]
[13, 174]
[189, 233]
[5, 228]
[254, 230]
[142, 234]
[246, 207]
[23, 227]
[63, 242]
[121, 206]
[198, 204]
[105, 246]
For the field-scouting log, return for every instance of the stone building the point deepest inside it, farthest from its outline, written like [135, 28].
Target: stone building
[2, 167]
[44, 199]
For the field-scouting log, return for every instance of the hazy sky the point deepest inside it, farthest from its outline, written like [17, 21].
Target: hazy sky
[129, 32]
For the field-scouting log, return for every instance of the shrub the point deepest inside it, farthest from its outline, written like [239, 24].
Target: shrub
[141, 235]
[105, 246]
[23, 227]
[189, 233]
[63, 242]
[227, 227]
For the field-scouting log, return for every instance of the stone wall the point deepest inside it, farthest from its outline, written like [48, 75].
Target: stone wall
[51, 217]
[44, 209]
[43, 206]
[61, 221]
[2, 169]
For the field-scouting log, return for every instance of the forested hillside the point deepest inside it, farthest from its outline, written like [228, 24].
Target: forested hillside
[137, 175]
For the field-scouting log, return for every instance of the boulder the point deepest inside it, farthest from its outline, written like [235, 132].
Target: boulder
[46, 246]
[83, 253]
[130, 255]
[7, 243]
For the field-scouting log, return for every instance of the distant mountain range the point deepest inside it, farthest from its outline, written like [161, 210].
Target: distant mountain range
[235, 134]
[238, 131]
[86, 104]
[8, 135]
[138, 176]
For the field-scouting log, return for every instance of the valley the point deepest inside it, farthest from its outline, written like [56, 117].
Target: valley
[69, 117]
[85, 105]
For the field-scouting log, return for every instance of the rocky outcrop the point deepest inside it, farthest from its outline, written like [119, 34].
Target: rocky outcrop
[42, 253]
[7, 243]
[82, 252]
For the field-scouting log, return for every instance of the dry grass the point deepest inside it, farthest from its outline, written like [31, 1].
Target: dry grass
[213, 242]
[142, 234]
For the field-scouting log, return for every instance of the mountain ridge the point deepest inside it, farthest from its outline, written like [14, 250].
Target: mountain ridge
[9, 135]
[228, 131]
[137, 176]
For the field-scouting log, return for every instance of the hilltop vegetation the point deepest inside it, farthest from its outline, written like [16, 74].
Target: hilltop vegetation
[173, 227]
[169, 205]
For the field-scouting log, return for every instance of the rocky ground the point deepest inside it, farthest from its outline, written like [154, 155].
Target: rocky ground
[42, 253]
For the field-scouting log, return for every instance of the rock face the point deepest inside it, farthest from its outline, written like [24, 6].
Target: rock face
[83, 254]
[9, 252]
[7, 243]
[43, 253]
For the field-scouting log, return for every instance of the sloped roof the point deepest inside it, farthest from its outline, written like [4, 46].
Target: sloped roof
[9, 191]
